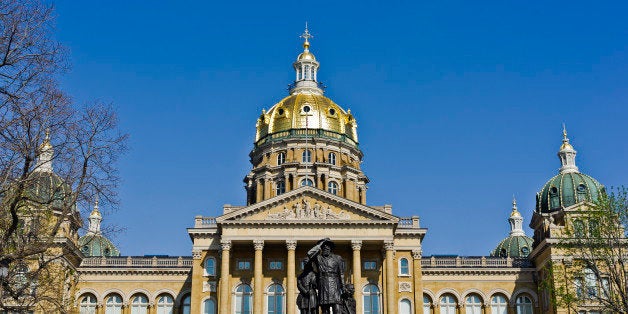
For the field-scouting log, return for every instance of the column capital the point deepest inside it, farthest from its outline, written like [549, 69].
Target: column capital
[291, 245]
[196, 254]
[416, 253]
[225, 244]
[356, 245]
[258, 245]
[389, 245]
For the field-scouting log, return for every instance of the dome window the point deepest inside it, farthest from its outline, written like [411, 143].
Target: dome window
[307, 182]
[525, 251]
[332, 187]
[554, 190]
[280, 111]
[306, 109]
[502, 253]
[581, 188]
[107, 251]
[85, 249]
[332, 111]
[307, 156]
[281, 158]
[332, 158]
[281, 187]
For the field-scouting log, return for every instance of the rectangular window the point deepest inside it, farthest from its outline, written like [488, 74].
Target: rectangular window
[275, 265]
[370, 265]
[243, 264]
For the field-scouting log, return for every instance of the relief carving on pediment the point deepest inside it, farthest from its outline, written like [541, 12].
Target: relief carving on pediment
[303, 210]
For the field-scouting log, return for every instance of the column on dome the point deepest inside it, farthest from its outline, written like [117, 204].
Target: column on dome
[291, 245]
[356, 246]
[391, 300]
[224, 277]
[258, 290]
[259, 190]
[268, 188]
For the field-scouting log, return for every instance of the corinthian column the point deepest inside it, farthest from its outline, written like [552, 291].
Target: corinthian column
[291, 245]
[390, 277]
[257, 277]
[224, 277]
[356, 245]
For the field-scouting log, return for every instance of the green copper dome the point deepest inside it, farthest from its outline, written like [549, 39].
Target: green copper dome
[97, 245]
[513, 246]
[567, 189]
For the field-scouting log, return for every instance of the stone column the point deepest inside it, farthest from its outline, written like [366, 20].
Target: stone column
[224, 277]
[418, 283]
[259, 190]
[291, 245]
[356, 245]
[391, 300]
[258, 290]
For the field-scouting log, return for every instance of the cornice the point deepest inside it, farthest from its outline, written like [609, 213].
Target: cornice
[133, 271]
[476, 271]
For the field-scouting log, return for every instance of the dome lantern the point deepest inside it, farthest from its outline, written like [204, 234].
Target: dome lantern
[46, 152]
[94, 220]
[567, 155]
[306, 68]
[516, 221]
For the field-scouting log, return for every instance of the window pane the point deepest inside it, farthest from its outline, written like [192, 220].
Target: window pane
[209, 307]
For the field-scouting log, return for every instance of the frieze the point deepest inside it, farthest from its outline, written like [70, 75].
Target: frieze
[304, 210]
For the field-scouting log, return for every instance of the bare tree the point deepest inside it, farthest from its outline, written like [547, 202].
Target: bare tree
[55, 158]
[595, 246]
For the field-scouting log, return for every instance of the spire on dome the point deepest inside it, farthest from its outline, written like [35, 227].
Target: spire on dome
[46, 152]
[567, 155]
[95, 219]
[306, 68]
[516, 220]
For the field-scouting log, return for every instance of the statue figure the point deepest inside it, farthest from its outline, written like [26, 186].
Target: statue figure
[306, 283]
[348, 300]
[331, 268]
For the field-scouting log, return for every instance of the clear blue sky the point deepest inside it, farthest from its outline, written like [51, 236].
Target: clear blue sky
[459, 104]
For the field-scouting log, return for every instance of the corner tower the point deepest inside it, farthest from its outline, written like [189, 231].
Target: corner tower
[306, 140]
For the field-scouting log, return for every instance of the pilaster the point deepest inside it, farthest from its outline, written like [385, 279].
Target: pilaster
[257, 277]
[224, 277]
[417, 275]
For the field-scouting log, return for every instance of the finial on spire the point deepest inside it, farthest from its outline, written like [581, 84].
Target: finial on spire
[306, 35]
[567, 155]
[565, 132]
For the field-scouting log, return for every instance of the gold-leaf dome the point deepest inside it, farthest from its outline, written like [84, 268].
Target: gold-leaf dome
[307, 111]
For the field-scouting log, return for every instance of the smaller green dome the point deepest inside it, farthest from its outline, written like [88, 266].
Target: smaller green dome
[47, 188]
[567, 189]
[97, 245]
[513, 246]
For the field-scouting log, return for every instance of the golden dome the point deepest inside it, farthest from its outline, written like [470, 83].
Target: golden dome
[306, 56]
[566, 145]
[311, 111]
[515, 213]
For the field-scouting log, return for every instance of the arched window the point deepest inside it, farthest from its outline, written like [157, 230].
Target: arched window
[578, 228]
[185, 305]
[590, 282]
[88, 304]
[371, 299]
[332, 187]
[447, 304]
[427, 304]
[332, 158]
[113, 304]
[306, 156]
[281, 158]
[307, 182]
[405, 306]
[243, 299]
[523, 305]
[281, 187]
[594, 230]
[499, 305]
[139, 304]
[165, 304]
[307, 72]
[209, 306]
[275, 299]
[473, 304]
[404, 269]
[210, 267]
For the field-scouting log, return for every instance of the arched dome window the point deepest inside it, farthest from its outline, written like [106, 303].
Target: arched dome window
[499, 305]
[165, 304]
[332, 187]
[281, 187]
[306, 156]
[281, 158]
[275, 299]
[307, 182]
[473, 304]
[88, 304]
[332, 158]
[523, 305]
[113, 304]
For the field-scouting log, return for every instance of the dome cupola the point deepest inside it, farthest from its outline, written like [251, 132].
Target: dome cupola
[93, 243]
[517, 244]
[570, 186]
[306, 68]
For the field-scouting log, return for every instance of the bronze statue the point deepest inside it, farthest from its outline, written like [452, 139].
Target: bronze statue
[306, 283]
[348, 300]
[330, 268]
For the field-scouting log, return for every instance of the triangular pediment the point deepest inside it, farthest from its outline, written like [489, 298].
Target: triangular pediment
[308, 205]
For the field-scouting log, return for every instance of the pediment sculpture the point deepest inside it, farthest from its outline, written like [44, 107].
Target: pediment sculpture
[303, 210]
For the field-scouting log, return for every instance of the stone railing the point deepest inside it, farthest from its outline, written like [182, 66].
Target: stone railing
[204, 222]
[138, 261]
[474, 261]
[306, 133]
[409, 222]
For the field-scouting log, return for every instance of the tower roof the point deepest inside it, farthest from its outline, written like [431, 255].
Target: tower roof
[517, 244]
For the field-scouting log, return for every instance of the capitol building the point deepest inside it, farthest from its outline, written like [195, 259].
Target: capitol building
[305, 184]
